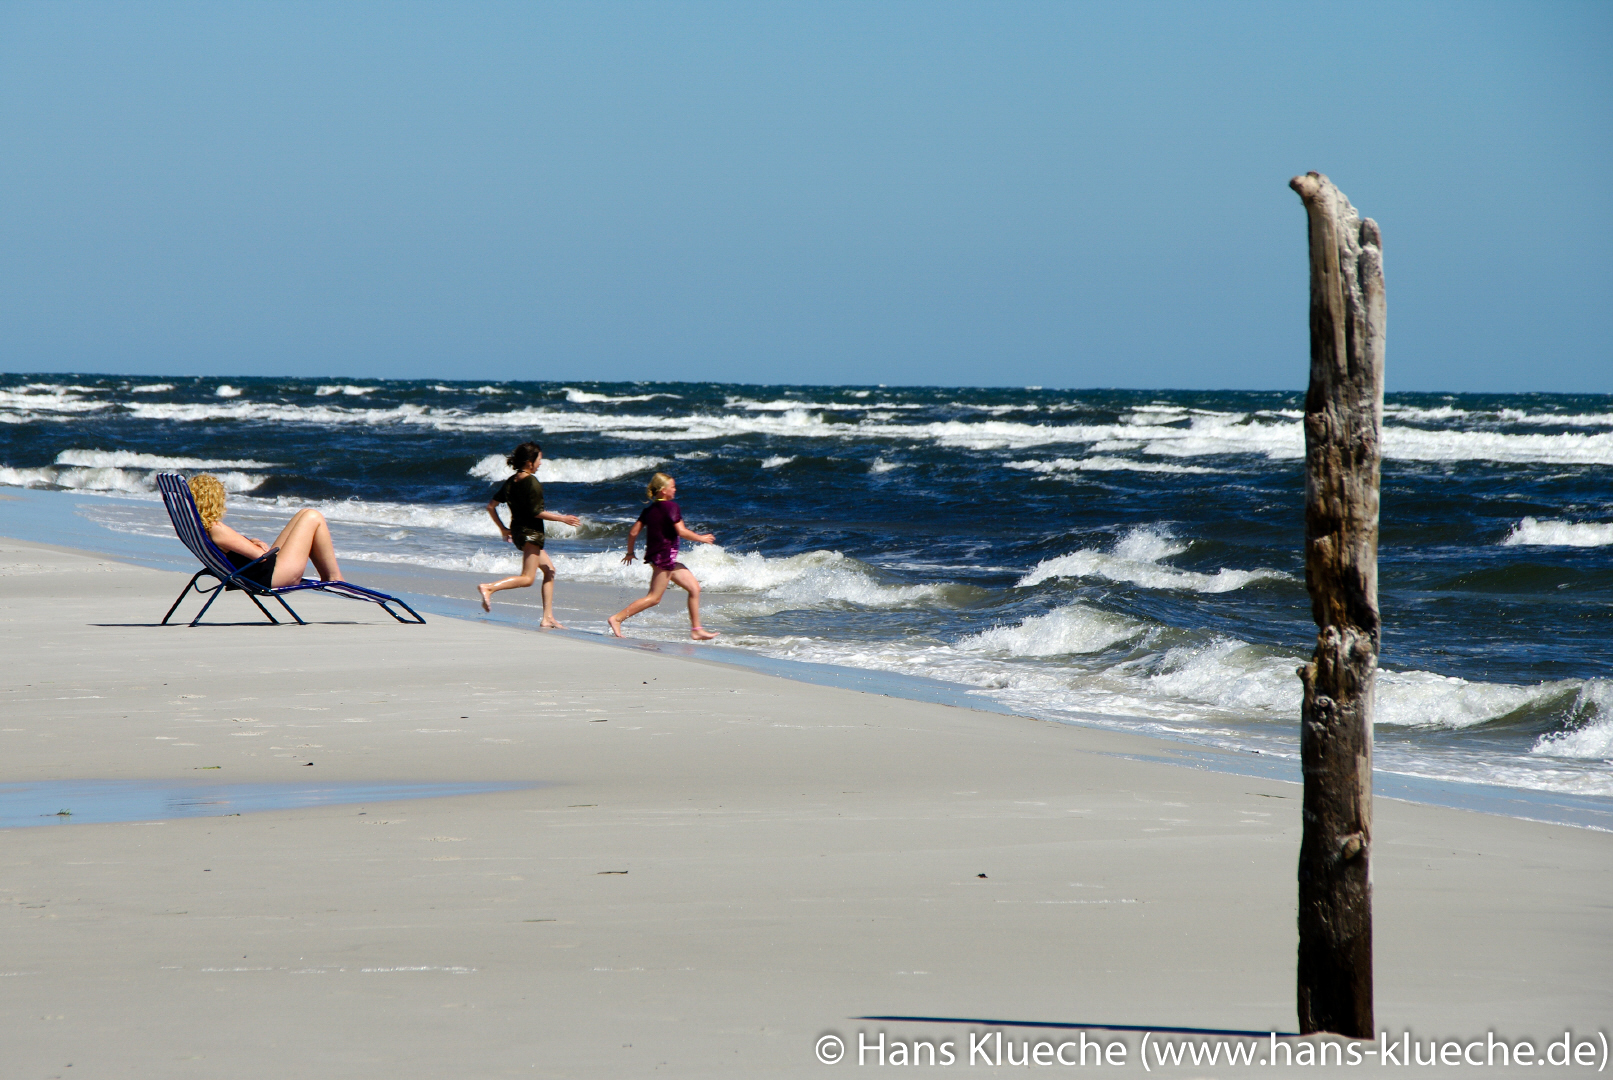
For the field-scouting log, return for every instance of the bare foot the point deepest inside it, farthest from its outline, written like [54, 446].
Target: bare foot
[700, 633]
[615, 627]
[487, 597]
[551, 623]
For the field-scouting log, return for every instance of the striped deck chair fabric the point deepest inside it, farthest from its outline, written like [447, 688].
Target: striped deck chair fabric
[217, 565]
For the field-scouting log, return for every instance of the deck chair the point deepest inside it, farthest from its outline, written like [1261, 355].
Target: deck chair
[216, 565]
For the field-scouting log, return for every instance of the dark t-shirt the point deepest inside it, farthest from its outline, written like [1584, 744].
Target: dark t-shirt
[525, 499]
[660, 520]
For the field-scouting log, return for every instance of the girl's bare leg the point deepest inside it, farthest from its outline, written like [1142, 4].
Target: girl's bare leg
[305, 537]
[658, 584]
[530, 554]
[685, 580]
[547, 566]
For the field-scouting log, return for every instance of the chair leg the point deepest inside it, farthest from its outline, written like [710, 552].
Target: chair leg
[417, 621]
[266, 613]
[287, 606]
[207, 605]
[182, 594]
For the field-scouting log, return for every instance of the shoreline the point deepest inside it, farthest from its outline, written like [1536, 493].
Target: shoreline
[48, 515]
[707, 869]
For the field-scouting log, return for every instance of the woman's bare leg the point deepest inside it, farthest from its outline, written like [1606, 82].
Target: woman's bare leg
[658, 584]
[529, 570]
[305, 537]
[686, 581]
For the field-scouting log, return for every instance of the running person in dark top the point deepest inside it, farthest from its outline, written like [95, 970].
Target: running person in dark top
[662, 525]
[524, 495]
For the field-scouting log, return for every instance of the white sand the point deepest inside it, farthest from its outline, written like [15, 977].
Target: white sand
[797, 857]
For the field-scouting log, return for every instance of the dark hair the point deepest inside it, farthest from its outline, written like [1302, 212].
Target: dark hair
[523, 455]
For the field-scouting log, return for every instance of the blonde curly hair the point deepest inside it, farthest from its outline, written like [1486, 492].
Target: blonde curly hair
[208, 492]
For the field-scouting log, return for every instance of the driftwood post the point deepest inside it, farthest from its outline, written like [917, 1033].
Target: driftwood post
[1343, 423]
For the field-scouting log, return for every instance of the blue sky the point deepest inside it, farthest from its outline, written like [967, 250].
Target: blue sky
[1061, 194]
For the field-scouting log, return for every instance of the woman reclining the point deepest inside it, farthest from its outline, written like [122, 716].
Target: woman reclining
[306, 537]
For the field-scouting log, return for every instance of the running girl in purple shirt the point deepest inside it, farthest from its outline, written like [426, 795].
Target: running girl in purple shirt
[662, 525]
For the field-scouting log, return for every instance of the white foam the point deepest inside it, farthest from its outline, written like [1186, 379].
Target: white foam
[1423, 699]
[880, 465]
[1136, 559]
[441, 389]
[1532, 532]
[25, 405]
[1569, 448]
[225, 390]
[791, 405]
[495, 468]
[1593, 739]
[343, 388]
[1105, 464]
[124, 459]
[131, 481]
[812, 579]
[151, 388]
[462, 519]
[776, 460]
[584, 397]
[1072, 629]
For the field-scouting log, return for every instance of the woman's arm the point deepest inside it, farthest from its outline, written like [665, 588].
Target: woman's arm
[683, 531]
[492, 512]
[228, 539]
[632, 540]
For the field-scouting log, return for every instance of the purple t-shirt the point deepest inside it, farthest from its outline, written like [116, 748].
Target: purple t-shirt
[660, 520]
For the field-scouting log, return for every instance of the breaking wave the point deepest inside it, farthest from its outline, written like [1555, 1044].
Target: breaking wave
[1530, 532]
[494, 468]
[123, 481]
[1136, 559]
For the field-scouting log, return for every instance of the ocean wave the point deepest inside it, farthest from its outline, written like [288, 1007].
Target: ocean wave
[1447, 413]
[1067, 630]
[1569, 448]
[776, 460]
[225, 390]
[1136, 559]
[1590, 738]
[460, 519]
[1535, 533]
[1106, 464]
[1158, 432]
[345, 389]
[880, 465]
[124, 459]
[495, 469]
[809, 580]
[1422, 699]
[152, 388]
[584, 397]
[23, 403]
[441, 389]
[790, 405]
[130, 481]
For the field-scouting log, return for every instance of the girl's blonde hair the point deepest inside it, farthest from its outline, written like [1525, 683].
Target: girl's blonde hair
[208, 492]
[658, 483]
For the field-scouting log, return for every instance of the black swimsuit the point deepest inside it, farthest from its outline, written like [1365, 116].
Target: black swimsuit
[261, 574]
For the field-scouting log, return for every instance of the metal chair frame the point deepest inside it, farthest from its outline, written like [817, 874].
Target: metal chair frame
[192, 533]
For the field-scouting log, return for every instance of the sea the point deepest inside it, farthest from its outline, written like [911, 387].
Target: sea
[1126, 559]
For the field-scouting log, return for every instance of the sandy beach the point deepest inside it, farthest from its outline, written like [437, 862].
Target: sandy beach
[708, 869]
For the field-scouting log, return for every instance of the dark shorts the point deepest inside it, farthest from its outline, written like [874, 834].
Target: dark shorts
[669, 567]
[261, 575]
[522, 537]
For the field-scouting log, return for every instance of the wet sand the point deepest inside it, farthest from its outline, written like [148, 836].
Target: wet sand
[712, 868]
